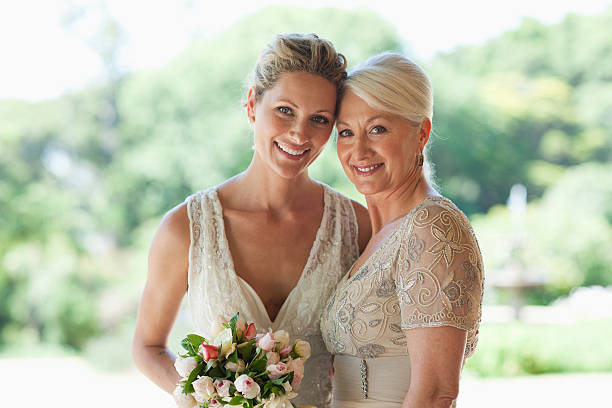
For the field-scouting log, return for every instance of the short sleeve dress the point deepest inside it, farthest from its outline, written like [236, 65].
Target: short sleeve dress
[427, 273]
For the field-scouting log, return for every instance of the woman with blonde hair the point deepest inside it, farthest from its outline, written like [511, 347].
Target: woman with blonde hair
[270, 243]
[405, 316]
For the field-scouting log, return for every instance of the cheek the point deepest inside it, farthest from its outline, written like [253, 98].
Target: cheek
[343, 150]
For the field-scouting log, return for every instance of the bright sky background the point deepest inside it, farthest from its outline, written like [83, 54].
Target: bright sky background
[40, 59]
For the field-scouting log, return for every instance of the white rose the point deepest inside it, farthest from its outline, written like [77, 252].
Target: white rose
[302, 349]
[281, 401]
[287, 387]
[184, 366]
[247, 386]
[183, 400]
[204, 387]
[223, 387]
[282, 338]
[217, 326]
[226, 342]
[235, 367]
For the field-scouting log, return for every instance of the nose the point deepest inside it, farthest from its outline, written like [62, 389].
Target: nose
[298, 132]
[361, 147]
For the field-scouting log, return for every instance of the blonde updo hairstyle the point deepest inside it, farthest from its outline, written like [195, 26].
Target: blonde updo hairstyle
[297, 52]
[395, 84]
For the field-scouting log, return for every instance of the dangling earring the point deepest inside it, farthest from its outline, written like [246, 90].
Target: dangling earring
[420, 159]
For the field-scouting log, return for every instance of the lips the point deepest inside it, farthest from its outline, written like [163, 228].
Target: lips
[367, 169]
[291, 152]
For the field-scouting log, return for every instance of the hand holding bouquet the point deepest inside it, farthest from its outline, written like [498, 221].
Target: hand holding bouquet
[240, 368]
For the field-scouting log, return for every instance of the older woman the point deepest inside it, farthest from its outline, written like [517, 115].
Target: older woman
[405, 316]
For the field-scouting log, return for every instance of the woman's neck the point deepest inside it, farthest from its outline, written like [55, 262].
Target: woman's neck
[259, 188]
[388, 206]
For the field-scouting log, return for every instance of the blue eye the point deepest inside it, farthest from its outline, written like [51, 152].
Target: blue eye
[320, 119]
[378, 130]
[345, 133]
[285, 110]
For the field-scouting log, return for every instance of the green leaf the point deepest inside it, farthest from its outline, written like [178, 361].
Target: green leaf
[233, 357]
[245, 350]
[232, 323]
[188, 387]
[196, 340]
[186, 344]
[216, 372]
[255, 374]
[237, 400]
[286, 378]
[258, 365]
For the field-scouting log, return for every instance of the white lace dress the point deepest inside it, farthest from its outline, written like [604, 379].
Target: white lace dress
[215, 288]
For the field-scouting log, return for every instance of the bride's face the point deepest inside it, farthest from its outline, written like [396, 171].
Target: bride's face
[292, 121]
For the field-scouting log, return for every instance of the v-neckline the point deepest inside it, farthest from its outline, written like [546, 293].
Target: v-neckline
[313, 250]
[347, 276]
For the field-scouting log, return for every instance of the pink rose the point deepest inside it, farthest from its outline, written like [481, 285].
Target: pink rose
[297, 366]
[272, 357]
[266, 342]
[277, 370]
[250, 331]
[223, 387]
[209, 352]
[297, 380]
[184, 366]
[215, 403]
[247, 386]
[285, 351]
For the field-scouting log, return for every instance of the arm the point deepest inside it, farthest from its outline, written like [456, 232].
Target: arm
[161, 299]
[364, 226]
[439, 287]
[436, 357]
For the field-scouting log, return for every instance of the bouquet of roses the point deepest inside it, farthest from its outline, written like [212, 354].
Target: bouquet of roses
[240, 368]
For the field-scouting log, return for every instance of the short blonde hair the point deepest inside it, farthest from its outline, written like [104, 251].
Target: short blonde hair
[393, 83]
[298, 52]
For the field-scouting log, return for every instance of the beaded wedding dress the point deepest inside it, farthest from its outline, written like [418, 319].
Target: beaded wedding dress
[427, 273]
[215, 288]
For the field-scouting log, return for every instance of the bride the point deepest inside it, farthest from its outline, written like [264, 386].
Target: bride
[405, 316]
[270, 243]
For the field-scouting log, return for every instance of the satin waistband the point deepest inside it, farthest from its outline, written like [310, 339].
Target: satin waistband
[384, 379]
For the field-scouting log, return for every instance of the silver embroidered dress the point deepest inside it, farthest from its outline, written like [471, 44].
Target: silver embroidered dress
[215, 288]
[427, 273]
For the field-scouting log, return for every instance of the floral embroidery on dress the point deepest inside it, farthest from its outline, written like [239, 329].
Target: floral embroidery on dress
[445, 244]
[427, 273]
[371, 350]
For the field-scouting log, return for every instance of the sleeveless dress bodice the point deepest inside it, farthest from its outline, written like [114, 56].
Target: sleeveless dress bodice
[214, 288]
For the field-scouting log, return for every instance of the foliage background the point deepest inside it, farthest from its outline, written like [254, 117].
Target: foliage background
[86, 177]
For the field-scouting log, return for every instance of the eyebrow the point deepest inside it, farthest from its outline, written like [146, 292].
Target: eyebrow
[372, 119]
[284, 100]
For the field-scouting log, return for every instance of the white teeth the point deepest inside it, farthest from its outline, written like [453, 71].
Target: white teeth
[290, 151]
[366, 169]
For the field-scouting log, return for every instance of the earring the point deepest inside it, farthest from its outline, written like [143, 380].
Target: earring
[420, 159]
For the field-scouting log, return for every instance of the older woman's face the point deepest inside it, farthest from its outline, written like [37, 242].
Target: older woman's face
[377, 149]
